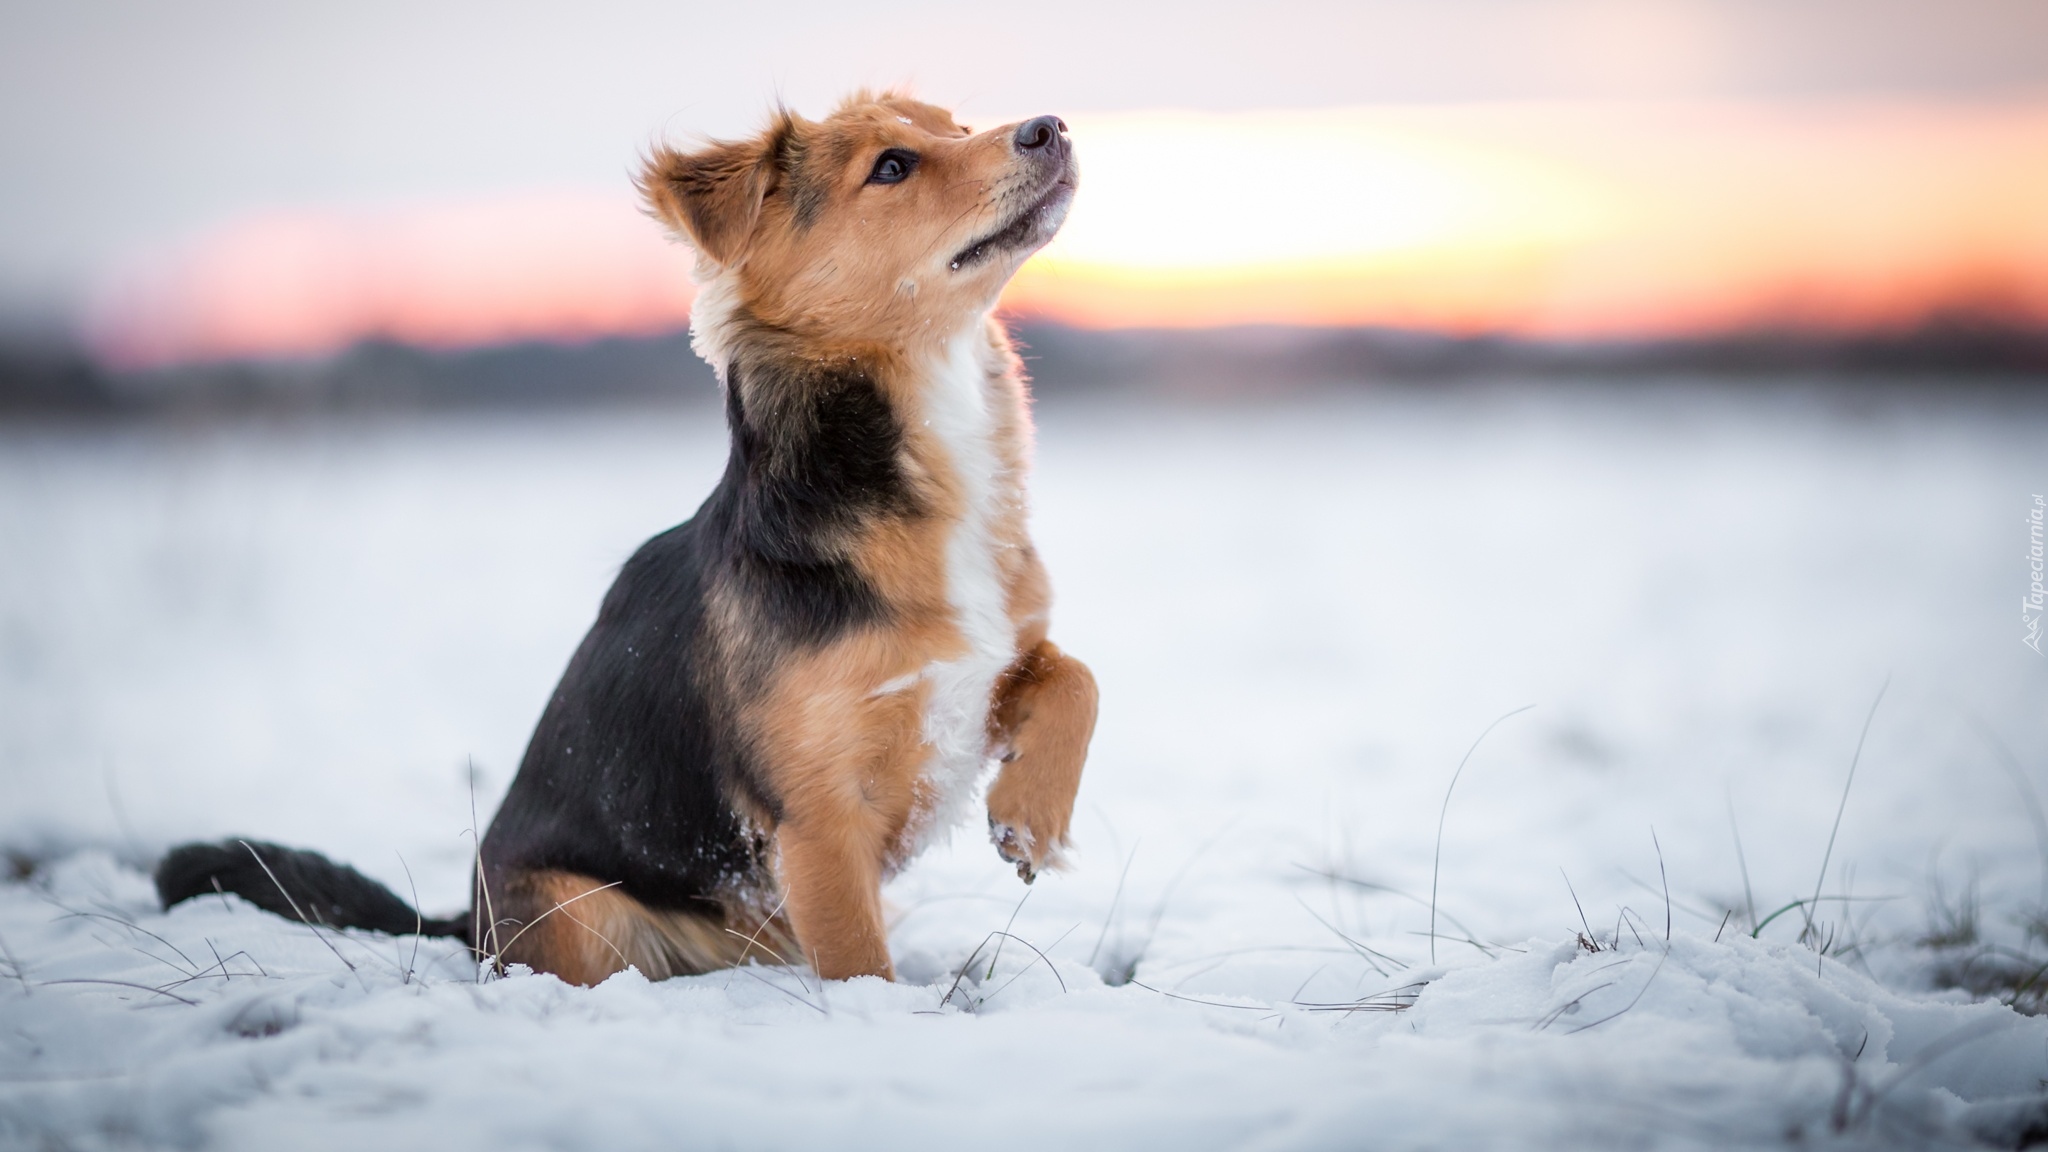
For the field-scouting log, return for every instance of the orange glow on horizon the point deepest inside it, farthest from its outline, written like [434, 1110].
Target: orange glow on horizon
[1568, 221]
[547, 266]
[1562, 221]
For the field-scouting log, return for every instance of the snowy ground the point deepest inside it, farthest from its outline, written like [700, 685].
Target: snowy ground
[1302, 614]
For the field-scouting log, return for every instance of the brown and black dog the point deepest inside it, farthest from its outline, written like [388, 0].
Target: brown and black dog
[788, 696]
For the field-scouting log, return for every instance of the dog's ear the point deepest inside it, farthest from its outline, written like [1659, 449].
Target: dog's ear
[712, 197]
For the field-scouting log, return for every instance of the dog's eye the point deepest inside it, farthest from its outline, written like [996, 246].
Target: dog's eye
[893, 167]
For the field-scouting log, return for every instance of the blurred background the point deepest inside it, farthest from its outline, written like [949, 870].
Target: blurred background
[246, 184]
[1680, 366]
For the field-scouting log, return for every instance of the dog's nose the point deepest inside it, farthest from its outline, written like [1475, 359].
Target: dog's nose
[1039, 133]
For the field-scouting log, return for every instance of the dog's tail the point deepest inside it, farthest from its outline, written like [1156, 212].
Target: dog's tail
[293, 883]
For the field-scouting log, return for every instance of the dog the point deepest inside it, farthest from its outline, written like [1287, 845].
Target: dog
[787, 697]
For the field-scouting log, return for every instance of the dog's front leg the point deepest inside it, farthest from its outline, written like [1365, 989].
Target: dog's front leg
[831, 878]
[1043, 718]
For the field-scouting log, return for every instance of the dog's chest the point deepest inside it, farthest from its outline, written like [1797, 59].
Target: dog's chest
[962, 415]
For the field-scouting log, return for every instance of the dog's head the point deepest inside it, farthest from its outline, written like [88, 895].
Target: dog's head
[886, 215]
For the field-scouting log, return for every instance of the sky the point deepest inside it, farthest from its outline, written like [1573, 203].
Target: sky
[220, 178]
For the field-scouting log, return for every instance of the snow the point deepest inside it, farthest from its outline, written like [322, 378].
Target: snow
[1302, 613]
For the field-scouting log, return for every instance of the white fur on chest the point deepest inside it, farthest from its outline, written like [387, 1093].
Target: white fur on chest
[961, 413]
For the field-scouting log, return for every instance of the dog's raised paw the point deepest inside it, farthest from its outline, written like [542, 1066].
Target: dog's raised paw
[1014, 846]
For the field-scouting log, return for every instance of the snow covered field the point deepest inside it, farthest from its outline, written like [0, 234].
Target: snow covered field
[1302, 614]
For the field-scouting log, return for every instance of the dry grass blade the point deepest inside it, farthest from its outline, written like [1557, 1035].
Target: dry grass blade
[1028, 967]
[1587, 940]
[1436, 863]
[302, 915]
[785, 991]
[243, 953]
[1702, 912]
[755, 938]
[132, 926]
[1742, 861]
[1667, 884]
[1005, 934]
[965, 966]
[20, 973]
[124, 984]
[1544, 1022]
[1807, 932]
[1115, 901]
[418, 922]
[754, 941]
[601, 937]
[481, 910]
[559, 905]
[1628, 916]
[1198, 1000]
[1486, 950]
[1469, 936]
[1173, 885]
[1391, 1000]
[209, 972]
[1633, 1001]
[1370, 956]
[1303, 986]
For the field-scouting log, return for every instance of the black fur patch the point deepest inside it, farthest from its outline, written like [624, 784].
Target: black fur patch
[634, 769]
[292, 883]
[815, 455]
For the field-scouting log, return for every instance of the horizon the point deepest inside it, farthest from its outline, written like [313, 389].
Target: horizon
[1564, 170]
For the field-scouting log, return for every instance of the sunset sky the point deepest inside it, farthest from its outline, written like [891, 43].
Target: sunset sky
[230, 180]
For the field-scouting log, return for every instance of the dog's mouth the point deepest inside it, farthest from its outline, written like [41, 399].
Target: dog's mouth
[1027, 230]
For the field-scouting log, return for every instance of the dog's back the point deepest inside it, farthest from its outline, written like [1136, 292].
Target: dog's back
[640, 771]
